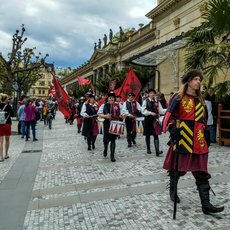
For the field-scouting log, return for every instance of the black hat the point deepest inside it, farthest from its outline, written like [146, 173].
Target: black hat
[131, 94]
[111, 94]
[91, 95]
[190, 75]
[152, 90]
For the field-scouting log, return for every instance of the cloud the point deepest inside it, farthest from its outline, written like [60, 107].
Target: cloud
[68, 29]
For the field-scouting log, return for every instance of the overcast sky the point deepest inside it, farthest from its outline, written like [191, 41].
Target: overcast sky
[67, 29]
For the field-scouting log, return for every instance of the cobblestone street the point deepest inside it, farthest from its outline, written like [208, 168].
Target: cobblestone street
[79, 189]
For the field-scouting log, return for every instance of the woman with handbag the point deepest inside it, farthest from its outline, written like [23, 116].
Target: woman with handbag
[5, 125]
[152, 109]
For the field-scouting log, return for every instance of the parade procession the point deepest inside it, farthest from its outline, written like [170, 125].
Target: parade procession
[131, 133]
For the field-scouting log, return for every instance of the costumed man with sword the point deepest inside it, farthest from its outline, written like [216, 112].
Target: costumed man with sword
[190, 150]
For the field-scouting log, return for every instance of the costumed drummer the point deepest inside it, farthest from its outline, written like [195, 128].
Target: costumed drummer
[187, 109]
[90, 127]
[111, 112]
[152, 109]
[130, 110]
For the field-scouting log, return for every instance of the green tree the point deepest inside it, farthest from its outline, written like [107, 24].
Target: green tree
[20, 63]
[208, 46]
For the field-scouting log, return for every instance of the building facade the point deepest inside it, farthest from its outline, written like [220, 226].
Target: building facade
[41, 88]
[158, 44]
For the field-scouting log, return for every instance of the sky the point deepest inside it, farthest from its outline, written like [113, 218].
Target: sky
[67, 29]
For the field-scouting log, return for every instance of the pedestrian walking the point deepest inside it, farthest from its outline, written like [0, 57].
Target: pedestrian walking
[187, 107]
[78, 114]
[30, 119]
[90, 127]
[152, 109]
[21, 118]
[6, 112]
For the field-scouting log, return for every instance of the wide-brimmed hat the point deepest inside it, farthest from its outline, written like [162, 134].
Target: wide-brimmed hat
[131, 94]
[111, 94]
[91, 95]
[151, 90]
[187, 77]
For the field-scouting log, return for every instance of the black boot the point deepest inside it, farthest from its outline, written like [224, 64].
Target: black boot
[78, 128]
[112, 151]
[105, 149]
[157, 144]
[93, 141]
[129, 140]
[147, 140]
[171, 188]
[133, 137]
[207, 207]
[89, 143]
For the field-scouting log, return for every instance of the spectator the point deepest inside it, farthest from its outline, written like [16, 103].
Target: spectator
[5, 127]
[21, 118]
[30, 119]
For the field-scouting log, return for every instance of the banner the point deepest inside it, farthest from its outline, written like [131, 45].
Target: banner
[130, 84]
[62, 97]
[52, 91]
[83, 81]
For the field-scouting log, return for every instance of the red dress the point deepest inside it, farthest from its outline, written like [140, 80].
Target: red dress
[192, 146]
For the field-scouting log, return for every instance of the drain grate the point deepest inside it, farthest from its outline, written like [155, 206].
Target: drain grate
[32, 151]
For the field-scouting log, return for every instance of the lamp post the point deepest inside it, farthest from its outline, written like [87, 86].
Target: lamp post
[15, 88]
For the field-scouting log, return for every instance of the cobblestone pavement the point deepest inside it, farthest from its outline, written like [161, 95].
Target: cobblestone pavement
[79, 189]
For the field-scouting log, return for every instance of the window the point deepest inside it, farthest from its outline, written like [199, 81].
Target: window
[42, 83]
[39, 91]
[43, 91]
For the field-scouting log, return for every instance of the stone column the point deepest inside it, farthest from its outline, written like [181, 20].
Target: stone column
[110, 68]
[103, 71]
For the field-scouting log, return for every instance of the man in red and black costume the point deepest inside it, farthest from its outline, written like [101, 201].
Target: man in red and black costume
[130, 110]
[188, 109]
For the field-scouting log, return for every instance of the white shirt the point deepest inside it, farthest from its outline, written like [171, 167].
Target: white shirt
[209, 108]
[124, 110]
[146, 112]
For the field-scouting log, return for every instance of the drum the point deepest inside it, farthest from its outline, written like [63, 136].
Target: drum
[116, 127]
[139, 124]
[100, 122]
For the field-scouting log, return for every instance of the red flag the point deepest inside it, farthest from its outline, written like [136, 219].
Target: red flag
[130, 84]
[62, 97]
[52, 91]
[83, 81]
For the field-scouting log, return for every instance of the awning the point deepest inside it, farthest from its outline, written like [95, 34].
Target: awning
[156, 54]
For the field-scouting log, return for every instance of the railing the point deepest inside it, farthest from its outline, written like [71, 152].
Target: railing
[224, 125]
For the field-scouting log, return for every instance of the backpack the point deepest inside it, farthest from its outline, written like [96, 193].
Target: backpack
[3, 117]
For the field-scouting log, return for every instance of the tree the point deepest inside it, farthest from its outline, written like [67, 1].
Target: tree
[19, 64]
[208, 46]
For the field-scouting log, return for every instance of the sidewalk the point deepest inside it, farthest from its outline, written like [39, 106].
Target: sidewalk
[79, 189]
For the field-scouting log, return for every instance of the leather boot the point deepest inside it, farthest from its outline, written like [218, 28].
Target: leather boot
[129, 140]
[79, 128]
[171, 188]
[207, 207]
[89, 143]
[105, 149]
[112, 151]
[157, 144]
[147, 139]
[93, 141]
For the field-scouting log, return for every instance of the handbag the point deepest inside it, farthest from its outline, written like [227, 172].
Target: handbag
[157, 127]
[3, 118]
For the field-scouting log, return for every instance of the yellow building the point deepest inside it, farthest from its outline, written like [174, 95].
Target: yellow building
[41, 87]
